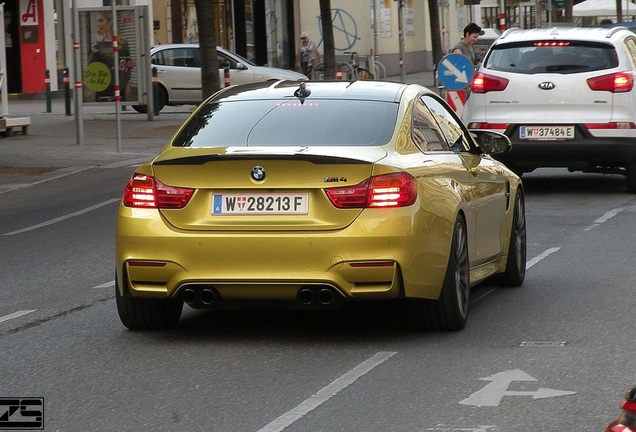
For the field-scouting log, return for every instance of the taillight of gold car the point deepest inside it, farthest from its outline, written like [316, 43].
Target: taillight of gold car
[147, 192]
[386, 191]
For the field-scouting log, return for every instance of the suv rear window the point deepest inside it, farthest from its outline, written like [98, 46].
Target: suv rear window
[564, 57]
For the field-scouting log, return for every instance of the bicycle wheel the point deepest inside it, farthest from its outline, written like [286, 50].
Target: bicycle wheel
[380, 71]
[348, 73]
[317, 72]
[364, 74]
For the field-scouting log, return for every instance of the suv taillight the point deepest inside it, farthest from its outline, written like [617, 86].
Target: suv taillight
[147, 192]
[387, 190]
[619, 82]
[483, 83]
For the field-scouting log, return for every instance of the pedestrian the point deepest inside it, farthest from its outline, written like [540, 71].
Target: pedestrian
[465, 46]
[308, 55]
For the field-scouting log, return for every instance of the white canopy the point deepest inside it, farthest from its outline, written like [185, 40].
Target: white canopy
[598, 8]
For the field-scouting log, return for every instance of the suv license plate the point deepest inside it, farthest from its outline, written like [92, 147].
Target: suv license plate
[260, 204]
[546, 132]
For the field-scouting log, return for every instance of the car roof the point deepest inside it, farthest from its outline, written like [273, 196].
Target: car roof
[385, 91]
[572, 33]
[181, 45]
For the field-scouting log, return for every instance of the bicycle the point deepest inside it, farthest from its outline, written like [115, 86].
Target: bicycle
[355, 71]
[317, 72]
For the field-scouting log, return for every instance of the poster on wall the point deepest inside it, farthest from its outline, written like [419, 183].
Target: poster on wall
[409, 28]
[98, 58]
[385, 22]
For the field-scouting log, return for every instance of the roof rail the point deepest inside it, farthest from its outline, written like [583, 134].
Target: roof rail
[611, 31]
[508, 31]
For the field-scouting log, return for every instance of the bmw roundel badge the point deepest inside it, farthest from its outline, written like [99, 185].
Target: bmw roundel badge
[258, 173]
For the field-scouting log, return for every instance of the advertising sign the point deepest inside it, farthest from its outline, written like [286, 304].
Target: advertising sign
[98, 57]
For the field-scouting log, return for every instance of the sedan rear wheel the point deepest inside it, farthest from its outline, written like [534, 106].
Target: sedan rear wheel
[162, 101]
[516, 266]
[147, 314]
[450, 311]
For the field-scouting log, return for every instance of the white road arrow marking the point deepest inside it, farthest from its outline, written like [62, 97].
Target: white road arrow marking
[460, 76]
[492, 394]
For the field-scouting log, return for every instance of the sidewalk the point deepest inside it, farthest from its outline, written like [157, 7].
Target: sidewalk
[50, 148]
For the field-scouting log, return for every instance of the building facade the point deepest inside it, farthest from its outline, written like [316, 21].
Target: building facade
[39, 33]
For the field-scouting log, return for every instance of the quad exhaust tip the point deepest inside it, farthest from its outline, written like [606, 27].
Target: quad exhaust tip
[200, 296]
[320, 296]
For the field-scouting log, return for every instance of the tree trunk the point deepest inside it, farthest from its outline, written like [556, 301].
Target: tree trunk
[206, 20]
[568, 17]
[436, 36]
[329, 50]
[619, 11]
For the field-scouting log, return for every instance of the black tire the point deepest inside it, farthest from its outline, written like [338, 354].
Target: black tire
[450, 311]
[162, 102]
[147, 314]
[631, 177]
[517, 249]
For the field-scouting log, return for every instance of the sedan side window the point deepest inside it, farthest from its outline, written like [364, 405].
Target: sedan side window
[176, 57]
[448, 124]
[425, 132]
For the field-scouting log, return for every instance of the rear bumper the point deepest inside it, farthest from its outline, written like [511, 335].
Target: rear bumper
[585, 152]
[378, 259]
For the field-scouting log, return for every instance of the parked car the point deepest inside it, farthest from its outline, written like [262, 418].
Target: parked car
[179, 73]
[626, 422]
[564, 96]
[315, 193]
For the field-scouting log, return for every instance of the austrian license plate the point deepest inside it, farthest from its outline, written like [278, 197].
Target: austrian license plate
[546, 132]
[260, 204]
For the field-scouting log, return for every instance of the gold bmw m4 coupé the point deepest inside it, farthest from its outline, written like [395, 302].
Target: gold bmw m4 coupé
[313, 194]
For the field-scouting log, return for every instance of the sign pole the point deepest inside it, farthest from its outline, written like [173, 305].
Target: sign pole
[4, 110]
[401, 39]
[79, 96]
[116, 73]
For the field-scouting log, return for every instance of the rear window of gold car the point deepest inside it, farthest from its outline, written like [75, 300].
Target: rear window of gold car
[290, 123]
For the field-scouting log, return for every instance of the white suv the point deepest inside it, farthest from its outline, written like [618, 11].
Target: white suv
[564, 96]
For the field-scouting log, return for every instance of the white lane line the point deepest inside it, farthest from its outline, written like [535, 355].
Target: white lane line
[538, 258]
[15, 315]
[61, 218]
[327, 392]
[607, 216]
[105, 285]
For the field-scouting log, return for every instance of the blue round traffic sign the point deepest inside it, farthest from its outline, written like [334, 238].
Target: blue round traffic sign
[455, 71]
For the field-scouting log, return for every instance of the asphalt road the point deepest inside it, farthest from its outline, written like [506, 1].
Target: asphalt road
[555, 354]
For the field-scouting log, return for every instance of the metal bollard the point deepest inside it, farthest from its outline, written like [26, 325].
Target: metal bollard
[155, 90]
[226, 70]
[67, 91]
[47, 86]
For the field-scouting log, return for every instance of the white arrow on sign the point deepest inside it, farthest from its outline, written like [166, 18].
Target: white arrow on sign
[460, 76]
[492, 394]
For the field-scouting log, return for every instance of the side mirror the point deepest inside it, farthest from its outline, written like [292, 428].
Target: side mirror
[240, 66]
[491, 142]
